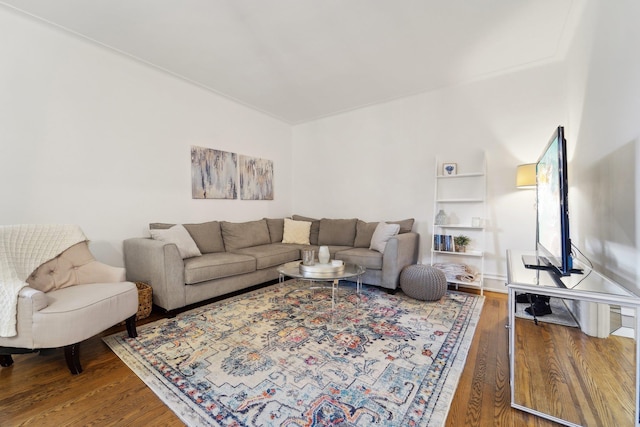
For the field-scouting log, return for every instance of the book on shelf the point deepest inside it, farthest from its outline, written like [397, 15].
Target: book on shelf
[443, 243]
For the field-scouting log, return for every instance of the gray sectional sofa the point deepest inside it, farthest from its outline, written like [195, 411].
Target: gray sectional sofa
[235, 256]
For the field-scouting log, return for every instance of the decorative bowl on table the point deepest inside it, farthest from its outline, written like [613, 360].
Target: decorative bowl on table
[319, 270]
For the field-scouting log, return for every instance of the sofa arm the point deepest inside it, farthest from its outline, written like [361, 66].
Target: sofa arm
[158, 264]
[401, 250]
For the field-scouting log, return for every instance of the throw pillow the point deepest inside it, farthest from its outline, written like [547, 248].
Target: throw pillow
[315, 227]
[296, 231]
[180, 237]
[382, 235]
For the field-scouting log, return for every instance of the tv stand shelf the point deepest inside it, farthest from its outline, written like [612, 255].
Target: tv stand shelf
[574, 357]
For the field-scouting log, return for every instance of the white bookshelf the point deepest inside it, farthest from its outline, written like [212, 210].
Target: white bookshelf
[462, 196]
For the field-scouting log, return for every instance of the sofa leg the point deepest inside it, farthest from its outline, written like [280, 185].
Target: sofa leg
[131, 326]
[6, 360]
[72, 356]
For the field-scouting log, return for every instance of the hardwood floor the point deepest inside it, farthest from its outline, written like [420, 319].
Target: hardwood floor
[483, 395]
[38, 390]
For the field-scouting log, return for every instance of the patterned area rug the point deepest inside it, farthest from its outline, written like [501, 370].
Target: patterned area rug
[281, 356]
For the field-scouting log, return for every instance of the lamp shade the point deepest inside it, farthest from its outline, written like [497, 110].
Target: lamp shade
[526, 176]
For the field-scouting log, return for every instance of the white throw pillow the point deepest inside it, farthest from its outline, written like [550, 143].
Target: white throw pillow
[382, 235]
[296, 231]
[181, 237]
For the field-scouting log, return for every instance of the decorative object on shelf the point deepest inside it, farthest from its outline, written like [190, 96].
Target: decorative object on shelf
[449, 169]
[323, 255]
[441, 218]
[461, 242]
[526, 176]
[458, 272]
[476, 221]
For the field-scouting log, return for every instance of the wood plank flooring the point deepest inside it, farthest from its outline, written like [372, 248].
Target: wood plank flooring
[39, 390]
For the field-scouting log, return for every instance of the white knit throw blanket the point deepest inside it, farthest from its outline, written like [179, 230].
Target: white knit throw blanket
[23, 248]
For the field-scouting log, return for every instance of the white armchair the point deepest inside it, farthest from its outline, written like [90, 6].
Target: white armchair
[67, 300]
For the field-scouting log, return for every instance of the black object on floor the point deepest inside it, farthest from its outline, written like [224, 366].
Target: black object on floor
[538, 308]
[525, 298]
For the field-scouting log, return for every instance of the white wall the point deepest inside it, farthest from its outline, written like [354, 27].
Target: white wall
[603, 74]
[377, 163]
[91, 137]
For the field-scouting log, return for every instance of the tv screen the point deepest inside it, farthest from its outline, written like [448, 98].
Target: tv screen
[553, 241]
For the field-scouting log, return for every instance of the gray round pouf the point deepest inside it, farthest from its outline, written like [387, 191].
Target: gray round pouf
[423, 282]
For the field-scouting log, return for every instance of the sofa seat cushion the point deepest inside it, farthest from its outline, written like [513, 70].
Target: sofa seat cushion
[79, 312]
[367, 258]
[216, 265]
[271, 255]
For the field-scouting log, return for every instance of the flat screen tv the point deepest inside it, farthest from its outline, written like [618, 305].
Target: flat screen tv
[553, 242]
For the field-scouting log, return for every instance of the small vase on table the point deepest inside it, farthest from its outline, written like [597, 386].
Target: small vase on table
[323, 255]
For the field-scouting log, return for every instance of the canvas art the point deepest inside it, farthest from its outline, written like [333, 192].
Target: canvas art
[256, 178]
[213, 174]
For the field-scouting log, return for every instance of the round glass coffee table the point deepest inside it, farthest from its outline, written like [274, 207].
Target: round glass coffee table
[292, 269]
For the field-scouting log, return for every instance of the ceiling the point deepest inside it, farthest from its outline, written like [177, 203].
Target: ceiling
[298, 60]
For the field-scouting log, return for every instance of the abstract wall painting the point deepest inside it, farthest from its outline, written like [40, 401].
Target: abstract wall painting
[256, 178]
[213, 174]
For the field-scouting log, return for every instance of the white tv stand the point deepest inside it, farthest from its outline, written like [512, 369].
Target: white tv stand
[575, 362]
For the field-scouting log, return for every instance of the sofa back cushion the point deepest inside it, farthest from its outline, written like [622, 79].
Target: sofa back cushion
[238, 235]
[74, 266]
[406, 225]
[276, 229]
[338, 232]
[207, 236]
[364, 232]
[315, 227]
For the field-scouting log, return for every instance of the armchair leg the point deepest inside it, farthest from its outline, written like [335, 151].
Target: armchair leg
[72, 356]
[6, 360]
[131, 326]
